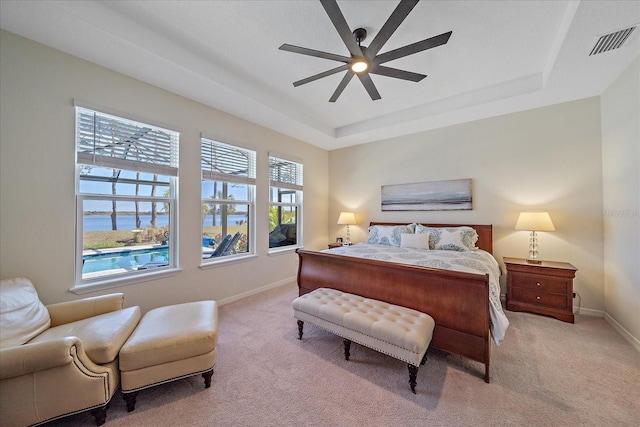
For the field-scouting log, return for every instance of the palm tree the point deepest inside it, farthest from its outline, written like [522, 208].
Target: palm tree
[114, 211]
[154, 212]
[138, 221]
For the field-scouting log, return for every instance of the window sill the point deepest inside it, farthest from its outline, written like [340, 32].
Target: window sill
[284, 250]
[227, 260]
[95, 286]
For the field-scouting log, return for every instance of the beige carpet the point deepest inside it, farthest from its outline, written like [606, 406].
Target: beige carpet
[546, 373]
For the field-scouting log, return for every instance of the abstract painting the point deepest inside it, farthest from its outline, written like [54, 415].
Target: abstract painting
[448, 195]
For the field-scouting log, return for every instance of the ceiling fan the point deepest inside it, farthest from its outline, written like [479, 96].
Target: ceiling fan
[366, 60]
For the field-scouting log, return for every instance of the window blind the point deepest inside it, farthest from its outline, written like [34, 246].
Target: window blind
[224, 162]
[285, 173]
[117, 143]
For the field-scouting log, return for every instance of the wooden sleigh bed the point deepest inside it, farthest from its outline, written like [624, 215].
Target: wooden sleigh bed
[458, 301]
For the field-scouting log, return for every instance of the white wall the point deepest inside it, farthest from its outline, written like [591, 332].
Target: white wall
[548, 159]
[621, 184]
[37, 211]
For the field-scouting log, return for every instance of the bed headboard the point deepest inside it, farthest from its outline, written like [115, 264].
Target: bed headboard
[485, 232]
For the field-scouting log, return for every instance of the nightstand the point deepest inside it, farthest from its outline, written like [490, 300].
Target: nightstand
[545, 288]
[338, 245]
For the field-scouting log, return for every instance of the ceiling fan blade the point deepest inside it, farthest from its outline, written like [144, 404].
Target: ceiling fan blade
[399, 14]
[398, 74]
[343, 83]
[412, 48]
[369, 86]
[316, 53]
[321, 75]
[337, 18]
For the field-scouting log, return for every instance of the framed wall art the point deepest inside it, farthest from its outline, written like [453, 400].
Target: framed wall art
[447, 195]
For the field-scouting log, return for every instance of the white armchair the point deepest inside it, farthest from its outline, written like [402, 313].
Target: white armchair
[60, 359]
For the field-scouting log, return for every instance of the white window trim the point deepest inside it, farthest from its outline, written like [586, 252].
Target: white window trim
[299, 189]
[87, 285]
[250, 181]
[113, 282]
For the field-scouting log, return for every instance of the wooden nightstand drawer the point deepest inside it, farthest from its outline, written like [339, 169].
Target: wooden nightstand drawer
[540, 283]
[539, 298]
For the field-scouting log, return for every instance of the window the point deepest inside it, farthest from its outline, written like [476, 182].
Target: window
[126, 180]
[285, 202]
[228, 189]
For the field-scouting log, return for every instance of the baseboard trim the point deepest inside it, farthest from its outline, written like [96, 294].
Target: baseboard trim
[256, 291]
[622, 331]
[587, 312]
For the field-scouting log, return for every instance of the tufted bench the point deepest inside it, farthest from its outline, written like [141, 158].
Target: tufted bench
[397, 331]
[169, 343]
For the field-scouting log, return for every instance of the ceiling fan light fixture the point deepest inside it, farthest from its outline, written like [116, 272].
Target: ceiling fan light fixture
[365, 60]
[359, 65]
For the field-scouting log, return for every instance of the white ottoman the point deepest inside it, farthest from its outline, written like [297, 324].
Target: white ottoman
[169, 343]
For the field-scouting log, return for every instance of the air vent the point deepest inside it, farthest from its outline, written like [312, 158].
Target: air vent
[611, 41]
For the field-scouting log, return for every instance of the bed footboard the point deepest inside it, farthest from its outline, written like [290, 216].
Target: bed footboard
[457, 301]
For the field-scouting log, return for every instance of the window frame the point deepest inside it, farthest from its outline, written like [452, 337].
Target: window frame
[293, 182]
[162, 161]
[207, 166]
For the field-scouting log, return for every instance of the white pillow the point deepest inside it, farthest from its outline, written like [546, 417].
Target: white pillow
[22, 315]
[454, 239]
[387, 234]
[415, 241]
[450, 238]
[421, 229]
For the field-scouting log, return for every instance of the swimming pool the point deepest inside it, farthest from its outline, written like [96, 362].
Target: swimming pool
[123, 259]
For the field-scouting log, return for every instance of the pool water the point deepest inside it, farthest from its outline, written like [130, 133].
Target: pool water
[125, 259]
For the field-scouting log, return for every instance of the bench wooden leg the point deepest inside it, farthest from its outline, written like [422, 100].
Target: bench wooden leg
[300, 326]
[413, 374]
[347, 347]
[424, 359]
[207, 378]
[130, 398]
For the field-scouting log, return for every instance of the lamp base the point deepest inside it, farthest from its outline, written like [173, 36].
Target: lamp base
[533, 249]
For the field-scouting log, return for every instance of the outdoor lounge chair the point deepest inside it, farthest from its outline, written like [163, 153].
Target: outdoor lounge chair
[222, 246]
[153, 264]
[231, 248]
[283, 235]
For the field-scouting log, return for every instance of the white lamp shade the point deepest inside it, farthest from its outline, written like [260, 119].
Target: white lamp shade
[535, 221]
[347, 218]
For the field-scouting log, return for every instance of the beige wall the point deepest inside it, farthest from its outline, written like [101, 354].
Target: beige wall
[548, 159]
[621, 183]
[37, 212]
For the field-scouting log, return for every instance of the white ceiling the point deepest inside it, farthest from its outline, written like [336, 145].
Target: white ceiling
[503, 56]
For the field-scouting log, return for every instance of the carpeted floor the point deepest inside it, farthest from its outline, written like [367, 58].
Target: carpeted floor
[546, 373]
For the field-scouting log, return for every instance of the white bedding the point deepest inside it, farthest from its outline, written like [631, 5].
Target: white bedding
[478, 261]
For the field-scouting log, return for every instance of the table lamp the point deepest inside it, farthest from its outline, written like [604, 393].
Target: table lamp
[347, 218]
[534, 221]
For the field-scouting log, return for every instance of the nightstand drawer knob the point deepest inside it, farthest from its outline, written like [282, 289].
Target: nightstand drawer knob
[537, 283]
[537, 297]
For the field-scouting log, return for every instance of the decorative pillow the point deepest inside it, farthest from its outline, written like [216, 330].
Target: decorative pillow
[415, 241]
[421, 229]
[22, 315]
[387, 234]
[454, 239]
